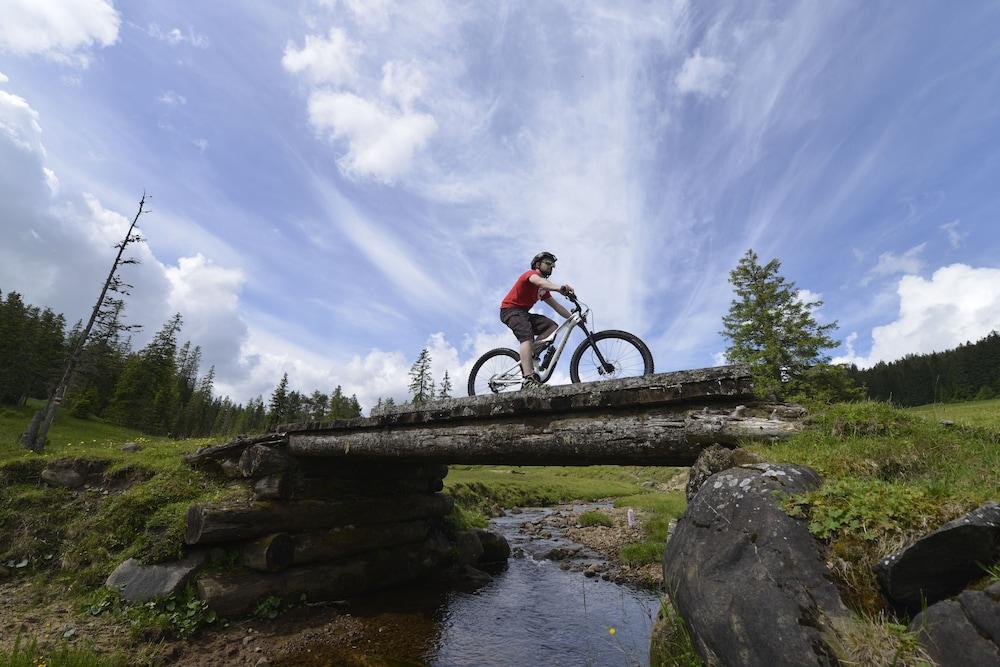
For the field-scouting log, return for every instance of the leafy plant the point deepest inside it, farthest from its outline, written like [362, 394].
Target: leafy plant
[268, 608]
[183, 615]
[870, 510]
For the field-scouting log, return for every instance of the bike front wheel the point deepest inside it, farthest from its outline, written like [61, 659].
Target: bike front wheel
[624, 356]
[496, 372]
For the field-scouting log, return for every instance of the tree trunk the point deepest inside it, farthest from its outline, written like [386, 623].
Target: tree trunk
[208, 524]
[287, 485]
[260, 460]
[349, 540]
[231, 594]
[37, 443]
[270, 553]
[666, 436]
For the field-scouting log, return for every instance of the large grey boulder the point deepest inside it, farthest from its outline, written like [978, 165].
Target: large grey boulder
[140, 583]
[943, 562]
[749, 580]
[496, 549]
[962, 631]
[714, 459]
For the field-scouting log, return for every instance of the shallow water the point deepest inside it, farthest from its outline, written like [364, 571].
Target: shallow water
[531, 613]
[535, 613]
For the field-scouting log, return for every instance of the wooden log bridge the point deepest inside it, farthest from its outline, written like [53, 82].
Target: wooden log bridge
[663, 419]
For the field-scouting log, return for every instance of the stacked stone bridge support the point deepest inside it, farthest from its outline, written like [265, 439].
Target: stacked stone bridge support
[347, 507]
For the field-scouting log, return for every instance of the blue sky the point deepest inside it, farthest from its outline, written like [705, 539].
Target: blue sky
[336, 184]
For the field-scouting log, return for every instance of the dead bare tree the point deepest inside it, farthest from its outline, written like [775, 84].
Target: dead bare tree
[34, 438]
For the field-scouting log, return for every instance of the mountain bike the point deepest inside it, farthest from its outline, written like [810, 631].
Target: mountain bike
[603, 355]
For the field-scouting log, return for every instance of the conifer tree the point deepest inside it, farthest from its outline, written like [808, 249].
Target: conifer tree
[444, 391]
[771, 328]
[421, 382]
[278, 407]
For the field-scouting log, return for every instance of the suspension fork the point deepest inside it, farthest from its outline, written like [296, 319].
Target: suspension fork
[608, 368]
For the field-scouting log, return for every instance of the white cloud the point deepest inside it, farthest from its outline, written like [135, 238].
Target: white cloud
[890, 264]
[704, 75]
[324, 61]
[403, 82]
[207, 296]
[807, 296]
[171, 98]
[958, 304]
[381, 144]
[62, 30]
[201, 143]
[954, 236]
[175, 36]
[3, 78]
[51, 180]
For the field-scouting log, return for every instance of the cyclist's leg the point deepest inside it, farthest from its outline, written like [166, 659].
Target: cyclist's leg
[542, 327]
[520, 323]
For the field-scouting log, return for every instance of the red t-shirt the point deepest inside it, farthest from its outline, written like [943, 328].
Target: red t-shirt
[523, 294]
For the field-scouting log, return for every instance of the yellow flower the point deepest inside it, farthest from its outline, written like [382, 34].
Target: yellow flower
[611, 631]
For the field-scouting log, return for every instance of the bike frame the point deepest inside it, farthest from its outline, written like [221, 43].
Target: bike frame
[578, 317]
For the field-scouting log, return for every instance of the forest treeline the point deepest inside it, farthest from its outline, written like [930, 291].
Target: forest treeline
[159, 389]
[970, 371]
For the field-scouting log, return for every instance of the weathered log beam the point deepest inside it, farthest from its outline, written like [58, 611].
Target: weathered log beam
[289, 485]
[270, 553]
[231, 594]
[342, 541]
[669, 436]
[702, 385]
[207, 524]
[231, 450]
[260, 460]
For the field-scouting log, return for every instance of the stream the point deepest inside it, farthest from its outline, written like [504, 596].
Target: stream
[533, 612]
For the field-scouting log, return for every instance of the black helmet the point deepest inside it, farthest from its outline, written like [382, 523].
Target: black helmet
[540, 256]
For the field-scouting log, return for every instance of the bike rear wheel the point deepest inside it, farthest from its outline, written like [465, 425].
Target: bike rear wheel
[627, 355]
[496, 372]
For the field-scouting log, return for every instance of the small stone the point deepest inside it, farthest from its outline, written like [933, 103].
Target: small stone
[69, 634]
[59, 476]
[947, 422]
[263, 662]
[247, 640]
[131, 447]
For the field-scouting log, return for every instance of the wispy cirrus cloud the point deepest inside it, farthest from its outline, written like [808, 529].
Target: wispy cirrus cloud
[889, 263]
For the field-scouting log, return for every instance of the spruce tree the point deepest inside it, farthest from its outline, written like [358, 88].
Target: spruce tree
[445, 390]
[278, 407]
[770, 328]
[421, 382]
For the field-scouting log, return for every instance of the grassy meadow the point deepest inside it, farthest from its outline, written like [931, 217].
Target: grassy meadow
[970, 413]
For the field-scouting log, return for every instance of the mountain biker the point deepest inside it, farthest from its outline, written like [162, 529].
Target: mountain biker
[530, 287]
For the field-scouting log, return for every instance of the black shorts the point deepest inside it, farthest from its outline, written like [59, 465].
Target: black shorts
[525, 325]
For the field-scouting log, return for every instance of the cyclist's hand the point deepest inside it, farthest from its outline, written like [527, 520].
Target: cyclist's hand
[566, 290]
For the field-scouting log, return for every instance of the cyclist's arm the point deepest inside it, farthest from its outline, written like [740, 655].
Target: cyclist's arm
[556, 306]
[536, 279]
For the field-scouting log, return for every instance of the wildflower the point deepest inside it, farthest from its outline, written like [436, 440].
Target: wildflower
[611, 631]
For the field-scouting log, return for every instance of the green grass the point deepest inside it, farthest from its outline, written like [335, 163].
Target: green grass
[30, 655]
[73, 539]
[588, 519]
[489, 490]
[971, 413]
